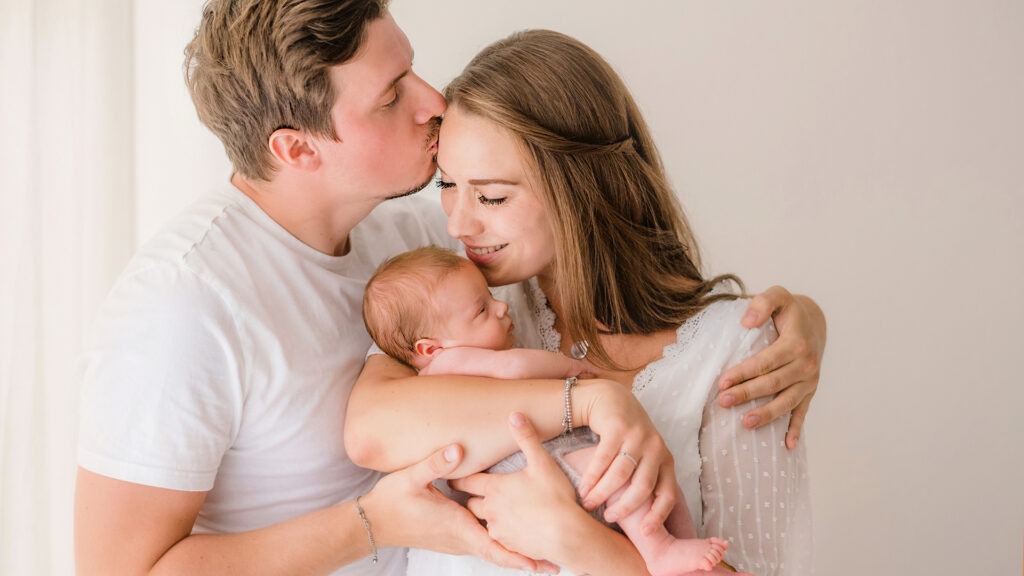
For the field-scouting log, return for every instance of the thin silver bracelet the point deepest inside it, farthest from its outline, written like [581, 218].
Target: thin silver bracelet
[369, 533]
[567, 418]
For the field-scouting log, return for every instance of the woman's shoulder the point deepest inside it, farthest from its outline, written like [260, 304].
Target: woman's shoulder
[722, 324]
[718, 330]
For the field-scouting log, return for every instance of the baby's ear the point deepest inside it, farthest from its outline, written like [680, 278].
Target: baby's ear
[427, 347]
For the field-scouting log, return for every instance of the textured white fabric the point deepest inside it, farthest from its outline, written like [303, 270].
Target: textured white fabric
[740, 485]
[224, 357]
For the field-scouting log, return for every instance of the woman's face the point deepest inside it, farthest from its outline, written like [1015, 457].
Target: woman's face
[491, 195]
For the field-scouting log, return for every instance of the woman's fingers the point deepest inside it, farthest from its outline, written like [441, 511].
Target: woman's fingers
[640, 488]
[604, 454]
[665, 494]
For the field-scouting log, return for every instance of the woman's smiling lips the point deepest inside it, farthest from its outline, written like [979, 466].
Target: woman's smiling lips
[483, 254]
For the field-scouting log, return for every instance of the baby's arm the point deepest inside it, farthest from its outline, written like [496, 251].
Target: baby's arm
[516, 363]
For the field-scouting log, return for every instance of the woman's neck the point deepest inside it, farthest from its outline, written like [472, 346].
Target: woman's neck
[632, 351]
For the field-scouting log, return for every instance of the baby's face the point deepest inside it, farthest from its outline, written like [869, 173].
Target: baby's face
[469, 315]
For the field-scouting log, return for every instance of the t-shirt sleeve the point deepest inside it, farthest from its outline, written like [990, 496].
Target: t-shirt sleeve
[162, 382]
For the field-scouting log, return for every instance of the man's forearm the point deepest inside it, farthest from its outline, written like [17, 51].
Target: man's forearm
[316, 543]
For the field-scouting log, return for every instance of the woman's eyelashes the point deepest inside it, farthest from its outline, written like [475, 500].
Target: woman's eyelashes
[443, 185]
[490, 201]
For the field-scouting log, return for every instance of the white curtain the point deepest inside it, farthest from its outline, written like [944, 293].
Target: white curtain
[66, 221]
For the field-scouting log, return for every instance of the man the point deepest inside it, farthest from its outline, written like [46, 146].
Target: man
[215, 391]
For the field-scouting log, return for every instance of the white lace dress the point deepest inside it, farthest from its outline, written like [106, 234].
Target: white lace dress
[741, 485]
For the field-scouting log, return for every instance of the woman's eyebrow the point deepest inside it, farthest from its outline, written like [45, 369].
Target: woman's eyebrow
[482, 181]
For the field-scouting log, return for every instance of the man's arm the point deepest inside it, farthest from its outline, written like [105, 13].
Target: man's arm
[123, 528]
[505, 364]
[789, 368]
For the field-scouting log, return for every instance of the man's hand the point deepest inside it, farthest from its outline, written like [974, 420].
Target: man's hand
[530, 510]
[788, 369]
[411, 512]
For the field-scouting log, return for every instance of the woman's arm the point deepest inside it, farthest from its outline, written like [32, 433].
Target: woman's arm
[788, 370]
[396, 418]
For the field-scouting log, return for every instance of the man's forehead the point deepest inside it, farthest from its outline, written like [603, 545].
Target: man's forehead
[381, 61]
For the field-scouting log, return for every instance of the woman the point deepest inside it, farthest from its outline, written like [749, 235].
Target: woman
[549, 176]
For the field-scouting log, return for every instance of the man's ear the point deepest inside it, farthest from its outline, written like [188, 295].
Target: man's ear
[292, 148]
[427, 347]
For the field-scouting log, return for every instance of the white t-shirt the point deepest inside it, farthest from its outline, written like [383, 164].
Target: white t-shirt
[223, 359]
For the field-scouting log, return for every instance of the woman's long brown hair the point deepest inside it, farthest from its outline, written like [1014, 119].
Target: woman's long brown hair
[625, 257]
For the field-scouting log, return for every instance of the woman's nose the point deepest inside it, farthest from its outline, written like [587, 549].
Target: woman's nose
[461, 222]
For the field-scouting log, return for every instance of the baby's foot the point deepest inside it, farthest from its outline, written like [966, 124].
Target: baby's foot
[721, 570]
[687, 555]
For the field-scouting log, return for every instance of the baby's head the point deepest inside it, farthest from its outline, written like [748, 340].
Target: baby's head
[422, 301]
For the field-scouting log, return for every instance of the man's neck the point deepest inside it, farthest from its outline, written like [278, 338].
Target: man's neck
[310, 215]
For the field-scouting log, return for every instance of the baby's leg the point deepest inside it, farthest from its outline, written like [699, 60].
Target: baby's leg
[665, 554]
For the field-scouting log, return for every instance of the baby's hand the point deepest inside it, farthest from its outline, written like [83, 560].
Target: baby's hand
[583, 369]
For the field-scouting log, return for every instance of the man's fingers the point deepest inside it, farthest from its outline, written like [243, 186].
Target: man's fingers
[783, 403]
[473, 484]
[438, 465]
[764, 362]
[495, 553]
[796, 423]
[761, 386]
[763, 305]
[476, 506]
[526, 437]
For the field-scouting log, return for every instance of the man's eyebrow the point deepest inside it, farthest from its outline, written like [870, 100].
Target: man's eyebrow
[393, 82]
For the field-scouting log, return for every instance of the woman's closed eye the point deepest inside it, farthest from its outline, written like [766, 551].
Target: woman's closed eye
[442, 184]
[490, 201]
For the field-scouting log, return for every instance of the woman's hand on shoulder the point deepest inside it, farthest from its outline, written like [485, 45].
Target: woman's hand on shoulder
[789, 368]
[631, 454]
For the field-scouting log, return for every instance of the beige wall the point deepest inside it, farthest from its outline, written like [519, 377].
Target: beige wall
[868, 153]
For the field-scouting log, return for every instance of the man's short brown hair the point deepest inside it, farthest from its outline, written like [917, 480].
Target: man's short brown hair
[255, 66]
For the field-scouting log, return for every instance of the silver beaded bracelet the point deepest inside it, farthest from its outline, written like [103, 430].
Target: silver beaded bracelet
[567, 418]
[369, 533]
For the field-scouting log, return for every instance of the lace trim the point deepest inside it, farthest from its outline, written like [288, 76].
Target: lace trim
[550, 339]
[684, 335]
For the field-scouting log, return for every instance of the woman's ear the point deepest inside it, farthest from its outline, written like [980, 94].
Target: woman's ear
[292, 148]
[427, 347]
